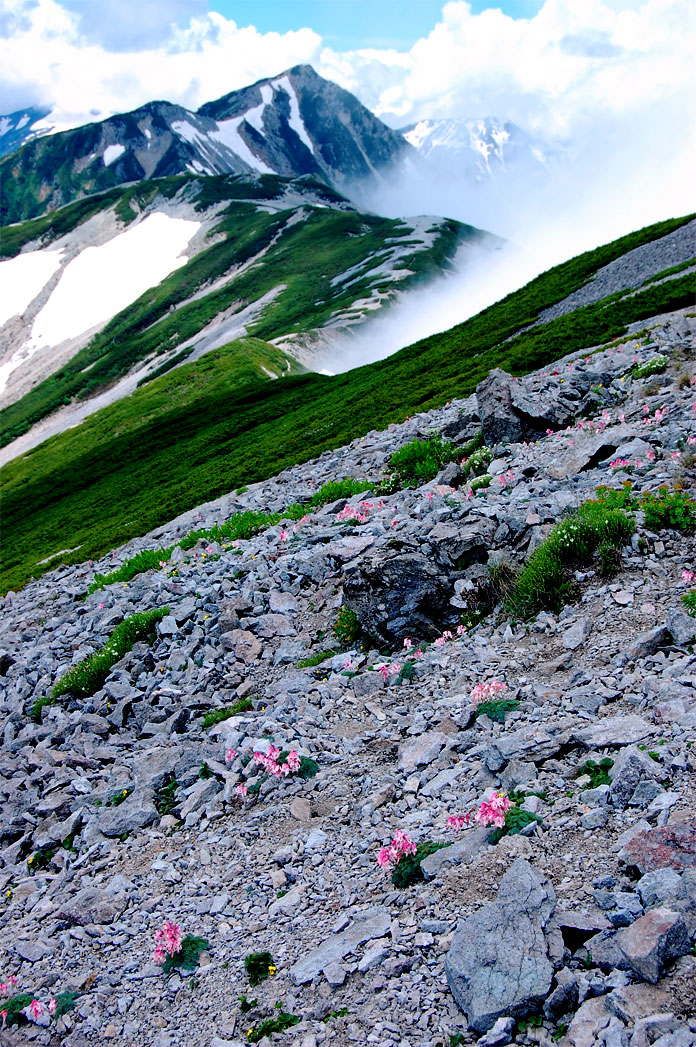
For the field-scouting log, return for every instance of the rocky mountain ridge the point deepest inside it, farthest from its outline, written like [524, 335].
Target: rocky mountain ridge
[577, 930]
[291, 125]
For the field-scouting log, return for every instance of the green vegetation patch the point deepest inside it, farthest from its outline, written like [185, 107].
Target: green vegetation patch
[408, 871]
[544, 583]
[137, 464]
[336, 489]
[86, 677]
[186, 959]
[259, 966]
[598, 773]
[216, 716]
[675, 509]
[419, 461]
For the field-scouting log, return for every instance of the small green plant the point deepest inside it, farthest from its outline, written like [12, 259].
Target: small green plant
[598, 773]
[40, 859]
[656, 365]
[479, 462]
[14, 1007]
[496, 709]
[346, 628]
[534, 1021]
[674, 509]
[408, 871]
[479, 483]
[609, 556]
[336, 1014]
[204, 771]
[246, 1005]
[515, 821]
[39, 704]
[165, 795]
[215, 716]
[419, 461]
[559, 1032]
[406, 672]
[503, 576]
[456, 1038]
[118, 798]
[317, 659]
[335, 489]
[615, 498]
[307, 769]
[187, 956]
[84, 678]
[689, 601]
[266, 1028]
[259, 966]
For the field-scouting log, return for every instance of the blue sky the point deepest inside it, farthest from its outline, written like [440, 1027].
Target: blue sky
[349, 24]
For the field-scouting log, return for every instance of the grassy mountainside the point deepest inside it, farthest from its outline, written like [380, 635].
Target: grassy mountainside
[95, 486]
[298, 239]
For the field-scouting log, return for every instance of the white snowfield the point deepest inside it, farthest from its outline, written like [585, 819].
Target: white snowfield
[112, 152]
[22, 278]
[95, 285]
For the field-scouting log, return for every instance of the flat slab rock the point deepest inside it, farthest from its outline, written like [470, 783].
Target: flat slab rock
[614, 731]
[372, 923]
[499, 961]
[669, 847]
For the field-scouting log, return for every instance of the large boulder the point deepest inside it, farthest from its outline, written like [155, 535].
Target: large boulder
[500, 960]
[399, 595]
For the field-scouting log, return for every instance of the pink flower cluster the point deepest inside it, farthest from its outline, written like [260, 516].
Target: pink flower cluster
[619, 463]
[659, 416]
[401, 845]
[490, 812]
[11, 983]
[269, 762]
[506, 479]
[688, 576]
[484, 692]
[169, 939]
[358, 515]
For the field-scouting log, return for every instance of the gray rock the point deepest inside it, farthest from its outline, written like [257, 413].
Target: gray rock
[614, 731]
[646, 645]
[682, 626]
[134, 813]
[395, 596]
[367, 925]
[498, 963]
[651, 941]
[422, 750]
[33, 951]
[500, 1035]
[631, 767]
[94, 905]
[470, 844]
[656, 887]
[577, 634]
[270, 625]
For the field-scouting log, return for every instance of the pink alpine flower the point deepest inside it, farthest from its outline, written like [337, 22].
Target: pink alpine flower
[283, 536]
[401, 845]
[242, 790]
[3, 1015]
[688, 576]
[457, 821]
[293, 761]
[169, 939]
[230, 755]
[52, 1006]
[36, 1009]
[493, 811]
[408, 643]
[484, 692]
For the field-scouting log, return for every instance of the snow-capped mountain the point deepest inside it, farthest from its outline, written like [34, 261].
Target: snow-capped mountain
[479, 148]
[22, 126]
[294, 124]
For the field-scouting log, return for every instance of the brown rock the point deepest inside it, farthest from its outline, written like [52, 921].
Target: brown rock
[651, 941]
[671, 846]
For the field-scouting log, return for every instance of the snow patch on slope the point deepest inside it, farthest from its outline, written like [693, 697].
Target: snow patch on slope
[22, 278]
[295, 121]
[103, 280]
[112, 152]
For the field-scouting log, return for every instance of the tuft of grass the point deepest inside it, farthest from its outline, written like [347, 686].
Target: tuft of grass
[317, 659]
[689, 601]
[481, 482]
[242, 705]
[544, 584]
[147, 560]
[409, 871]
[335, 489]
[165, 795]
[419, 461]
[86, 677]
